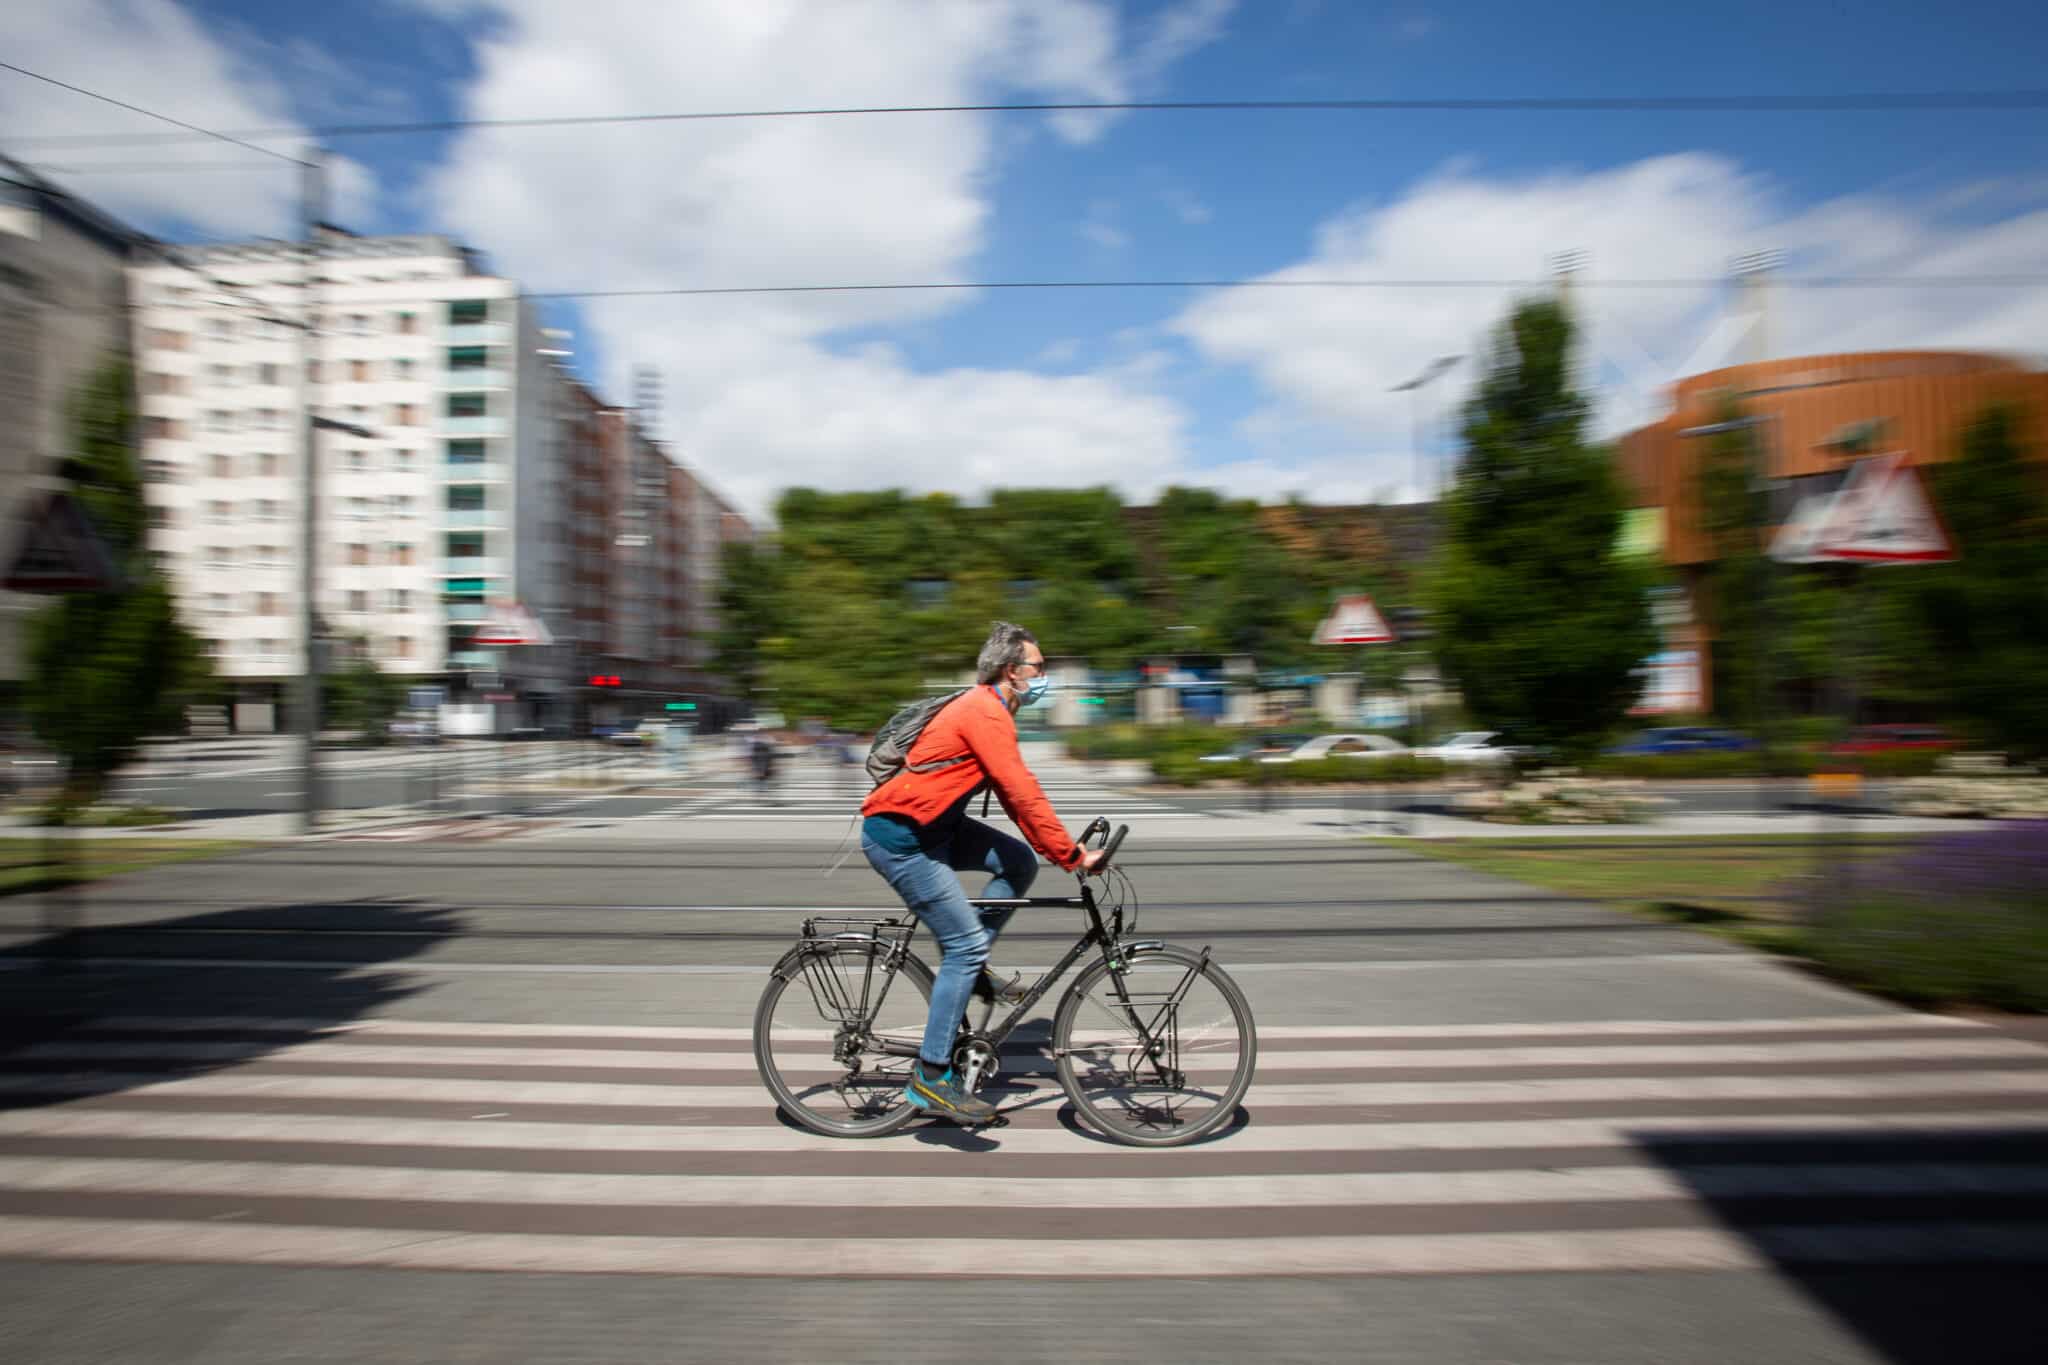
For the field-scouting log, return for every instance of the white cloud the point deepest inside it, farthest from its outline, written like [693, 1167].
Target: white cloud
[758, 392]
[1100, 226]
[1327, 359]
[1187, 207]
[154, 54]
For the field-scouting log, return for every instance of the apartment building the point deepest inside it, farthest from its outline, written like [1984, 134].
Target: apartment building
[473, 469]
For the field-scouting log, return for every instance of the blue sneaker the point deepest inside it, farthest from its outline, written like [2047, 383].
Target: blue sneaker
[942, 1095]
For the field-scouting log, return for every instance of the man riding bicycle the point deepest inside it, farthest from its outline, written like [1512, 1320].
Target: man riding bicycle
[917, 834]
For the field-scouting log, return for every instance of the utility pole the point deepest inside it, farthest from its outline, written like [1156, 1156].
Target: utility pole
[313, 189]
[1413, 388]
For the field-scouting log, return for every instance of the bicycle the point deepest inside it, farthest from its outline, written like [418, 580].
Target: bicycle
[1153, 1042]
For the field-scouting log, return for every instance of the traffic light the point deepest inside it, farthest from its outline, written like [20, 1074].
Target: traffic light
[604, 680]
[680, 706]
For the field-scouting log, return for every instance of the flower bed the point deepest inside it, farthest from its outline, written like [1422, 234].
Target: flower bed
[1962, 919]
[1974, 798]
[1561, 801]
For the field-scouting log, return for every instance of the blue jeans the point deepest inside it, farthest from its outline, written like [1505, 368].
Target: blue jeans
[926, 882]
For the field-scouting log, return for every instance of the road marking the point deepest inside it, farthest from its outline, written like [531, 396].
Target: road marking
[1471, 1253]
[1375, 1094]
[1390, 1135]
[1990, 1047]
[1562, 1185]
[343, 967]
[1876, 1019]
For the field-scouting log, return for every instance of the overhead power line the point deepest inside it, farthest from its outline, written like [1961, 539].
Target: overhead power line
[1891, 101]
[192, 130]
[1578, 282]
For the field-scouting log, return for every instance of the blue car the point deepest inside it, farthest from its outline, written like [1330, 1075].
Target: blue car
[1685, 739]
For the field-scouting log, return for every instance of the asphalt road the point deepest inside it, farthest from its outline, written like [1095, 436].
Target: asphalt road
[261, 775]
[335, 1101]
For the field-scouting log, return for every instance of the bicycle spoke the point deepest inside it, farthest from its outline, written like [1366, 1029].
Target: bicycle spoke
[835, 1041]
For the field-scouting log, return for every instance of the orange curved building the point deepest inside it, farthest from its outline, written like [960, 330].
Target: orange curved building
[1915, 402]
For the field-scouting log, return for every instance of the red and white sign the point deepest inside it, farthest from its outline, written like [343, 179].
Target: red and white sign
[512, 624]
[1881, 515]
[1354, 621]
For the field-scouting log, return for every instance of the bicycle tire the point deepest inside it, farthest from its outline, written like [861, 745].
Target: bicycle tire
[1112, 1096]
[776, 1051]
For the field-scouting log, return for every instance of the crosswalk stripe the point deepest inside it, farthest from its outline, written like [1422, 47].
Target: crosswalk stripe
[1991, 1048]
[1389, 1135]
[1885, 1021]
[1472, 1253]
[1610, 1184]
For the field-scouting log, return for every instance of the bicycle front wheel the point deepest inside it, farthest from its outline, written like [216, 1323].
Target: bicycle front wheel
[1158, 1053]
[835, 1036]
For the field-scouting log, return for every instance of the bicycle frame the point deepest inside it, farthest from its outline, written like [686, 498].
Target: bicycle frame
[1106, 937]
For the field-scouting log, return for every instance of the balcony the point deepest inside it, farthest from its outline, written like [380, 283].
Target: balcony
[476, 379]
[476, 334]
[470, 426]
[483, 520]
[473, 566]
[468, 612]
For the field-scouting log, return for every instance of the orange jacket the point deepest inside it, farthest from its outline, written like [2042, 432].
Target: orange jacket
[980, 727]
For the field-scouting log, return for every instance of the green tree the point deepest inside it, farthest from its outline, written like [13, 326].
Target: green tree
[106, 669]
[362, 697]
[1541, 619]
[751, 611]
[1987, 613]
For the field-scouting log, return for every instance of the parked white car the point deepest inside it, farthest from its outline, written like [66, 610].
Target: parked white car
[1469, 746]
[1347, 746]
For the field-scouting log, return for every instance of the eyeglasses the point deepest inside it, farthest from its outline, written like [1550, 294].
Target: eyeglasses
[1038, 664]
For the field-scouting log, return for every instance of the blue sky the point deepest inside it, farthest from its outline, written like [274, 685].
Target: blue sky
[1263, 392]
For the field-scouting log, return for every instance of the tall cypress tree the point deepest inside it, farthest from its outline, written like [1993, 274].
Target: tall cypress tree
[1542, 621]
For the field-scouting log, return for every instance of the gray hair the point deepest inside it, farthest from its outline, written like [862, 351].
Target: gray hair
[1005, 647]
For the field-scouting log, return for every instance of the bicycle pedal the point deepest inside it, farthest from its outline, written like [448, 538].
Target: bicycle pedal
[998, 1120]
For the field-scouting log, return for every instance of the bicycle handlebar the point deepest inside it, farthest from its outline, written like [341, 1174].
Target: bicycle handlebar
[1099, 830]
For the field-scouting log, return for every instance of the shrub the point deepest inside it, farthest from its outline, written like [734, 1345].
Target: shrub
[1962, 919]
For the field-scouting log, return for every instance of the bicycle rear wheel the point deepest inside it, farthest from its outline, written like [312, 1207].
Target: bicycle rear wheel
[820, 1031]
[1183, 1084]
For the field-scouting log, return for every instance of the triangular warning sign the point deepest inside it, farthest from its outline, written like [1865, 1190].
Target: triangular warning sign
[512, 624]
[1354, 621]
[1883, 516]
[62, 551]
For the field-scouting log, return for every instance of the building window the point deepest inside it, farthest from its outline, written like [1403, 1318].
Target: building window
[268, 466]
[401, 368]
[469, 357]
[269, 374]
[159, 471]
[220, 420]
[406, 323]
[313, 370]
[357, 460]
[465, 498]
[358, 554]
[465, 452]
[405, 414]
[220, 466]
[358, 414]
[358, 325]
[401, 647]
[468, 405]
[405, 459]
[220, 511]
[163, 383]
[159, 517]
[398, 599]
[163, 428]
[401, 505]
[358, 509]
[220, 557]
[466, 312]
[168, 339]
[403, 553]
[465, 545]
[220, 329]
[269, 509]
[359, 371]
[358, 600]
[269, 604]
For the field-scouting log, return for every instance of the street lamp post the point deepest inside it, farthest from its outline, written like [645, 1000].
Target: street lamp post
[1413, 388]
[1762, 485]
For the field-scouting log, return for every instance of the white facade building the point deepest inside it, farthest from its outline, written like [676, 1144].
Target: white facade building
[423, 523]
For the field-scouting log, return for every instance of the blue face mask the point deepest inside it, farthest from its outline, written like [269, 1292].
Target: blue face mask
[1033, 690]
